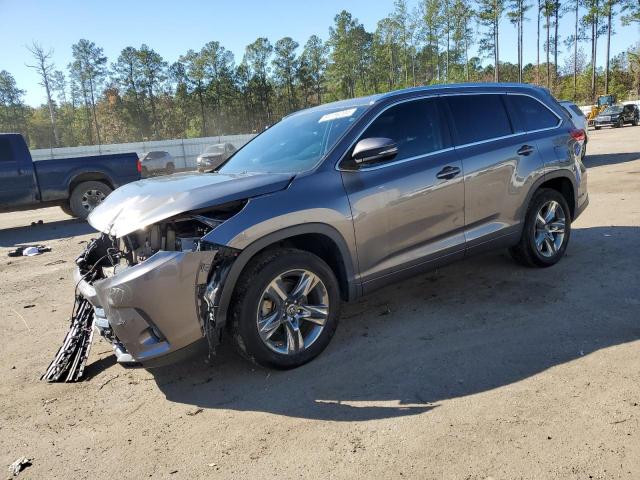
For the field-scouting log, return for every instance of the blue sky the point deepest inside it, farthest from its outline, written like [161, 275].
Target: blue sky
[171, 28]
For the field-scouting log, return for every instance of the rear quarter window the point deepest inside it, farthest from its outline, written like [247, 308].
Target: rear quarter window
[533, 114]
[6, 152]
[479, 117]
[577, 110]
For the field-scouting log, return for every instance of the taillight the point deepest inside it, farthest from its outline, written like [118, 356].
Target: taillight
[578, 134]
[139, 166]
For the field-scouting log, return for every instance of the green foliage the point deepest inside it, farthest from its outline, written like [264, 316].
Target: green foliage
[141, 96]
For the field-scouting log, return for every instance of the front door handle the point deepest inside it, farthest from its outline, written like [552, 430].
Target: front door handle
[448, 172]
[525, 150]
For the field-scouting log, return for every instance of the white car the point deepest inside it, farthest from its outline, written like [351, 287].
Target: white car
[579, 120]
[157, 162]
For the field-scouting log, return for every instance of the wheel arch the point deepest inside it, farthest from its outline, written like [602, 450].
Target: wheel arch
[89, 177]
[562, 182]
[317, 238]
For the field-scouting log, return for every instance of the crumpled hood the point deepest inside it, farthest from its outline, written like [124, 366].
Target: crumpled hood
[145, 202]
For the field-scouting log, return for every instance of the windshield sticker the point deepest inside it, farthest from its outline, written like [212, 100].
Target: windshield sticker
[336, 115]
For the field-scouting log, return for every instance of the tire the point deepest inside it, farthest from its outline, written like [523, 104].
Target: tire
[251, 302]
[86, 196]
[170, 168]
[620, 124]
[527, 252]
[636, 121]
[145, 172]
[66, 208]
[597, 128]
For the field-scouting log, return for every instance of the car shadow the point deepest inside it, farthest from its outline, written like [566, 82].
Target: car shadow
[609, 158]
[39, 233]
[469, 328]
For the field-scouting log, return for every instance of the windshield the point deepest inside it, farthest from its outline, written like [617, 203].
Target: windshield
[612, 109]
[296, 143]
[214, 149]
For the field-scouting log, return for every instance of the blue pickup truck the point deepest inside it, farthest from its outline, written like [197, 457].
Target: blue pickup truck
[77, 185]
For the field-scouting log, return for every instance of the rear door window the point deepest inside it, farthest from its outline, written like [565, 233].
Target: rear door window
[533, 114]
[415, 126]
[479, 117]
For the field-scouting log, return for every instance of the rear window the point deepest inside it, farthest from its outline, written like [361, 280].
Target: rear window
[6, 152]
[533, 114]
[479, 117]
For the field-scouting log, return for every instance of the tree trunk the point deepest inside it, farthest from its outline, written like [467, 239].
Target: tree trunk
[93, 107]
[496, 49]
[202, 115]
[52, 113]
[575, 54]
[548, 18]
[606, 68]
[556, 14]
[594, 51]
[466, 53]
[538, 47]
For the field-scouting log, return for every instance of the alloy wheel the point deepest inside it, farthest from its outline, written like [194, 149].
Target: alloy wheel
[292, 311]
[550, 229]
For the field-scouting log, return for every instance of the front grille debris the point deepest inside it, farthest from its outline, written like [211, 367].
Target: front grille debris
[68, 364]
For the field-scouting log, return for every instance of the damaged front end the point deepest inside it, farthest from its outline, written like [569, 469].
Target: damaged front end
[154, 293]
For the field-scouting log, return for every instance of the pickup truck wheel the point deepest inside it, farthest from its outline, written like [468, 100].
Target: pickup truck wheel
[67, 209]
[285, 308]
[87, 196]
[546, 231]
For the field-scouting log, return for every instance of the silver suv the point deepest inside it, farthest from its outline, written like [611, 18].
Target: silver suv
[327, 205]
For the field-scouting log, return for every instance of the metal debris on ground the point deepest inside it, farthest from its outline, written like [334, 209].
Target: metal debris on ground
[68, 364]
[19, 465]
[28, 250]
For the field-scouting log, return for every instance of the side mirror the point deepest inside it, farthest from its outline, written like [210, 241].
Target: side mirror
[374, 149]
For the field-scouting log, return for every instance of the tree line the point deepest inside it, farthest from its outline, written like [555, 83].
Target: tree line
[141, 96]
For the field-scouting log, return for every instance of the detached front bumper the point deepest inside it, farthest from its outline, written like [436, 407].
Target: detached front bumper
[154, 309]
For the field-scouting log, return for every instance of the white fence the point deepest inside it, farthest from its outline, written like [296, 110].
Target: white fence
[183, 151]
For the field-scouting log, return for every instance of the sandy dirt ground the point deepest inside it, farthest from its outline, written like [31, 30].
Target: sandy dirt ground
[483, 369]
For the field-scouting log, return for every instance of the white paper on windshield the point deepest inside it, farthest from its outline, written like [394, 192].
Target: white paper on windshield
[336, 115]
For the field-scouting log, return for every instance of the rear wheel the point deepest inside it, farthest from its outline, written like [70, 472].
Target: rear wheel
[87, 196]
[546, 231]
[170, 168]
[285, 308]
[636, 121]
[597, 128]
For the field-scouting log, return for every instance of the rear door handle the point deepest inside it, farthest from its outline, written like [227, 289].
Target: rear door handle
[448, 172]
[525, 150]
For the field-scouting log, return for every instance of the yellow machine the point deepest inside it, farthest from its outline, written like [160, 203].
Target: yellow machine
[603, 102]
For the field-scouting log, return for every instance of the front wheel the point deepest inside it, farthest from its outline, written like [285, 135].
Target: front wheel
[546, 231]
[636, 121]
[87, 196]
[285, 308]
